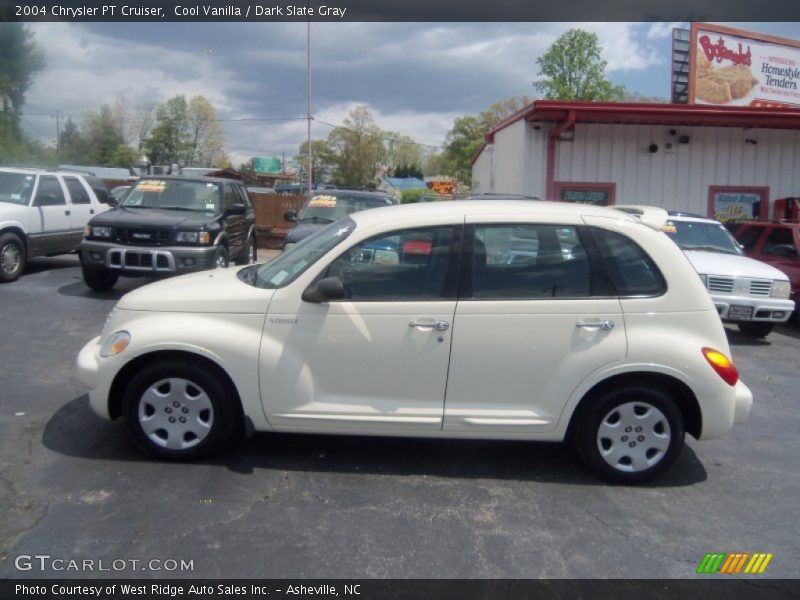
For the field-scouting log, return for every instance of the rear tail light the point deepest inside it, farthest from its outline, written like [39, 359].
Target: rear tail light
[722, 365]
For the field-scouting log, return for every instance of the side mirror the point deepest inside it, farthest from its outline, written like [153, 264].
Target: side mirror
[290, 216]
[325, 290]
[236, 209]
[113, 201]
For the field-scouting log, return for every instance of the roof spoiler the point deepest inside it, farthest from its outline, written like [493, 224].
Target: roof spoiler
[652, 216]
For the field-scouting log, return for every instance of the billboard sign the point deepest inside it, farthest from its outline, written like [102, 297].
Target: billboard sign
[268, 165]
[731, 67]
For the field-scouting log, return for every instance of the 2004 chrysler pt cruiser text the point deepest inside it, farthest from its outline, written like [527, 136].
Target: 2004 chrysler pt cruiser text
[504, 320]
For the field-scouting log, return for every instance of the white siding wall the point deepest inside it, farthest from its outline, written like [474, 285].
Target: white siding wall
[510, 149]
[482, 171]
[678, 179]
[536, 160]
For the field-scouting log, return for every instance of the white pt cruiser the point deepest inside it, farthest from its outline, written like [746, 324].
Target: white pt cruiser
[504, 320]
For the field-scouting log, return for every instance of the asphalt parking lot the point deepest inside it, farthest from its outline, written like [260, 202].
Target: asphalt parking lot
[72, 486]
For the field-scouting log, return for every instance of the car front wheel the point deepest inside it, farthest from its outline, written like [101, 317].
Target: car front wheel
[756, 330]
[630, 434]
[179, 411]
[99, 279]
[248, 254]
[12, 257]
[220, 258]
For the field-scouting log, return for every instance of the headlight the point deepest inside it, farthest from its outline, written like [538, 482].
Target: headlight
[193, 237]
[101, 232]
[115, 343]
[781, 288]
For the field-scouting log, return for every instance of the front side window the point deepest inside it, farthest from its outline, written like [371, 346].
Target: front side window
[779, 242]
[77, 192]
[411, 264]
[16, 187]
[634, 273]
[49, 192]
[749, 238]
[291, 264]
[175, 194]
[528, 261]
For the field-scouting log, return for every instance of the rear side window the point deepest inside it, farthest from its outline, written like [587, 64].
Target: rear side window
[528, 261]
[99, 188]
[779, 242]
[77, 192]
[749, 237]
[634, 273]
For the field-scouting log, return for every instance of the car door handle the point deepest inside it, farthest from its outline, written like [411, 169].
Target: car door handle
[437, 325]
[604, 325]
[91, 211]
[67, 212]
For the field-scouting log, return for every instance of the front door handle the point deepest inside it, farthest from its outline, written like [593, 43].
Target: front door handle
[597, 324]
[437, 325]
[66, 212]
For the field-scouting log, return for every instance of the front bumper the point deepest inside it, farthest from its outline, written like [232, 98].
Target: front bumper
[748, 308]
[146, 260]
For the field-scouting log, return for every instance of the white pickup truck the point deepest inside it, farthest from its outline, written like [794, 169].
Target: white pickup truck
[42, 213]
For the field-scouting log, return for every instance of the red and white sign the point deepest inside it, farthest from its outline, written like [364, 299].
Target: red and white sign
[730, 67]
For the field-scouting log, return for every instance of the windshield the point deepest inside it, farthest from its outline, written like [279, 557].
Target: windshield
[696, 235]
[174, 194]
[292, 263]
[330, 207]
[16, 187]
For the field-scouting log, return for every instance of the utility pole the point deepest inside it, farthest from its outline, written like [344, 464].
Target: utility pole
[308, 114]
[58, 138]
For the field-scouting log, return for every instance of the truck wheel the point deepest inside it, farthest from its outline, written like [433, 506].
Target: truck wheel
[756, 330]
[248, 254]
[630, 434]
[99, 280]
[220, 258]
[12, 257]
[178, 410]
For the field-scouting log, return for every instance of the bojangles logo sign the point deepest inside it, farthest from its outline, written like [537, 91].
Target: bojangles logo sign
[719, 51]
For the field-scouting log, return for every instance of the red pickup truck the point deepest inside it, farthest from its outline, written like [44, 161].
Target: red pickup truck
[775, 243]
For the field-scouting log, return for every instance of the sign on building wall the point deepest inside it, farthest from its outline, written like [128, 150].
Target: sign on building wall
[732, 203]
[731, 67]
[601, 194]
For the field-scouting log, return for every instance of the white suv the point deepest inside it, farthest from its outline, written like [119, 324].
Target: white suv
[42, 213]
[427, 320]
[748, 292]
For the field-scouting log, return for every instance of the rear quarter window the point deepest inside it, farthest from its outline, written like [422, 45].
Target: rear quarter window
[632, 270]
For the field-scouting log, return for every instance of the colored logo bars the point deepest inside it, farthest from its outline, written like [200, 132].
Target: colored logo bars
[730, 564]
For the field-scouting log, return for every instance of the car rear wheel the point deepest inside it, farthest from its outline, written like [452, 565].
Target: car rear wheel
[248, 254]
[99, 280]
[179, 411]
[12, 257]
[630, 434]
[220, 258]
[756, 330]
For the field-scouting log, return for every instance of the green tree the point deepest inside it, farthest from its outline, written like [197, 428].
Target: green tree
[101, 136]
[358, 146]
[399, 149]
[20, 60]
[461, 142]
[572, 69]
[168, 139]
[122, 156]
[206, 138]
[323, 159]
[71, 145]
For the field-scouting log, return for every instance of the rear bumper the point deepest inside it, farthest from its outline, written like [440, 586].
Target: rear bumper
[146, 260]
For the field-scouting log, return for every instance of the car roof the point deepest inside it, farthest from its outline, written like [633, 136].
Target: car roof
[377, 216]
[498, 196]
[189, 178]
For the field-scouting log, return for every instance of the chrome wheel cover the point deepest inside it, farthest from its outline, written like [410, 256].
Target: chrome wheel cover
[633, 437]
[10, 258]
[175, 413]
[222, 262]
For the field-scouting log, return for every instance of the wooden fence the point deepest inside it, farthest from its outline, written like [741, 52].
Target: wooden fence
[271, 227]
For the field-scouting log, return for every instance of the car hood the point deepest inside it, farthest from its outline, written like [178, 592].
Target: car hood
[302, 230]
[215, 291]
[152, 217]
[718, 263]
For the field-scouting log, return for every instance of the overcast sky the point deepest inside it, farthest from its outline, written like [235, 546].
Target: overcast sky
[416, 78]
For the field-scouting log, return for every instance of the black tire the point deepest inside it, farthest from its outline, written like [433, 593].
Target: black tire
[179, 382]
[756, 329]
[12, 257]
[248, 254]
[99, 280]
[657, 445]
[220, 258]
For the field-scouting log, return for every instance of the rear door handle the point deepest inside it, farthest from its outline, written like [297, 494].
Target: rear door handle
[596, 324]
[67, 212]
[437, 325]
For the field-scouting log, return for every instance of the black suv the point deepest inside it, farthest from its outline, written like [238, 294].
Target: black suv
[167, 226]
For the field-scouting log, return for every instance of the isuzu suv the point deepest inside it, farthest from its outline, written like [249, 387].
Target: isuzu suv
[415, 321]
[167, 226]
